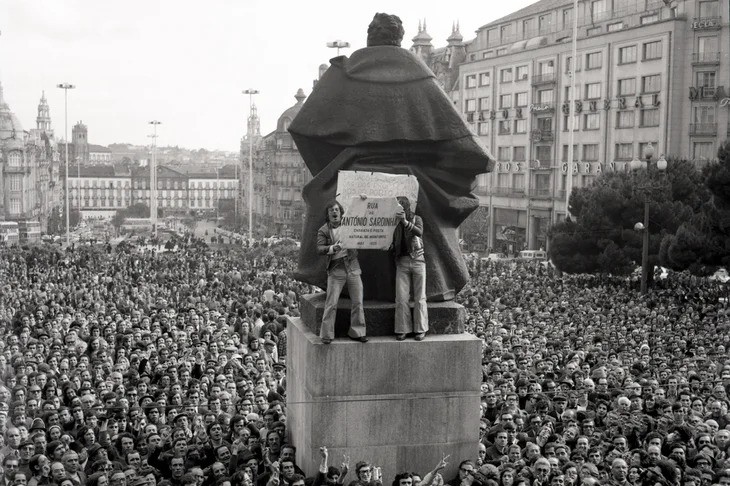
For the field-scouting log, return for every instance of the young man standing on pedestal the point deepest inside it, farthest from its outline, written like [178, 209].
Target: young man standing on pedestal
[342, 268]
[410, 273]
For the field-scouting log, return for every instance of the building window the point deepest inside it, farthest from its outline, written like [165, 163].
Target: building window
[521, 73]
[471, 81]
[650, 84]
[593, 31]
[14, 207]
[627, 54]
[709, 9]
[503, 180]
[521, 125]
[518, 154]
[504, 127]
[501, 51]
[576, 122]
[707, 45]
[652, 50]
[569, 64]
[593, 91]
[649, 117]
[15, 159]
[505, 101]
[505, 75]
[528, 26]
[624, 151]
[16, 183]
[704, 114]
[544, 153]
[485, 79]
[521, 99]
[706, 79]
[545, 23]
[471, 105]
[627, 86]
[590, 152]
[505, 33]
[518, 181]
[592, 121]
[483, 128]
[625, 119]
[545, 96]
[567, 18]
[484, 103]
[649, 19]
[594, 60]
[565, 152]
[600, 10]
[503, 153]
[703, 151]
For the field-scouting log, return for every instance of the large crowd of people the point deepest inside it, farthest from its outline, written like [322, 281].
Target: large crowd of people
[121, 367]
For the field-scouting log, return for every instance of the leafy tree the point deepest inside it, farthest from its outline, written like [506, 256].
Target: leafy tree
[703, 243]
[602, 238]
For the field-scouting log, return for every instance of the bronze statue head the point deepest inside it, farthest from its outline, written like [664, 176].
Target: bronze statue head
[385, 30]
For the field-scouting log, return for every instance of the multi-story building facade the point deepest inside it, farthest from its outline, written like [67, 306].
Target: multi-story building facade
[279, 175]
[99, 191]
[29, 168]
[647, 71]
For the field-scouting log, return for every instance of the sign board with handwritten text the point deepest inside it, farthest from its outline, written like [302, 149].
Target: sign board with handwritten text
[368, 224]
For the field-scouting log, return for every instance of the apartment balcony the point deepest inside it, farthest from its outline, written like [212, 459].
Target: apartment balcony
[707, 129]
[699, 58]
[541, 193]
[706, 92]
[542, 135]
[508, 191]
[707, 23]
[547, 78]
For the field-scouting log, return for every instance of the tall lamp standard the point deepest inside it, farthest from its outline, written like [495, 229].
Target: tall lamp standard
[338, 44]
[636, 166]
[65, 87]
[250, 92]
[153, 179]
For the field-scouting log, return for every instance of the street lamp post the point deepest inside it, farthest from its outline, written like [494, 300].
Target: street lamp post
[65, 87]
[637, 165]
[250, 92]
[338, 44]
[153, 179]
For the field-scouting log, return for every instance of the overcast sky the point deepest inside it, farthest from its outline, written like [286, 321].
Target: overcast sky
[185, 62]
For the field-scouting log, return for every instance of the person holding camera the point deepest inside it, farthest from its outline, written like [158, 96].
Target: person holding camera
[410, 273]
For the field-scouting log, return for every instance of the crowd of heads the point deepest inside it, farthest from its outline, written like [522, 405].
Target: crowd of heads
[586, 380]
[122, 367]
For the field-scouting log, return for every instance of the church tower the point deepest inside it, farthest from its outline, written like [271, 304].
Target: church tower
[254, 125]
[80, 138]
[422, 46]
[43, 120]
[455, 50]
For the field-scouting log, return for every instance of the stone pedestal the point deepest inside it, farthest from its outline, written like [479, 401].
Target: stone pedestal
[399, 405]
[443, 317]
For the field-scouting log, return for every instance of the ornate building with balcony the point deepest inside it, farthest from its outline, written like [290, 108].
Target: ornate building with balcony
[279, 177]
[647, 71]
[30, 188]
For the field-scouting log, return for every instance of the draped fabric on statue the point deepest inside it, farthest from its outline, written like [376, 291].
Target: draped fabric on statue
[382, 110]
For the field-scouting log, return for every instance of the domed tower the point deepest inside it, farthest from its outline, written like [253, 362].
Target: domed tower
[10, 127]
[80, 138]
[422, 46]
[43, 120]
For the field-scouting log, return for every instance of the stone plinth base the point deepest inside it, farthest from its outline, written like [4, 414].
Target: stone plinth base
[399, 405]
[443, 317]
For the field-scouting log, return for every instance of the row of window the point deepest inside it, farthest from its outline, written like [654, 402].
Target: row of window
[649, 84]
[587, 152]
[650, 51]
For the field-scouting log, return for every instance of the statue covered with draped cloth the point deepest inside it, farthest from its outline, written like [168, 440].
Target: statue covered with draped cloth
[381, 110]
